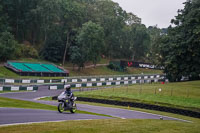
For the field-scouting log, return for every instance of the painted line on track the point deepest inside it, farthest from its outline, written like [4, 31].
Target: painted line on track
[159, 115]
[146, 113]
[28, 123]
[16, 92]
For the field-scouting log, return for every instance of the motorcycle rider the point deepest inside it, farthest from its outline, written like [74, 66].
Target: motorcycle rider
[69, 93]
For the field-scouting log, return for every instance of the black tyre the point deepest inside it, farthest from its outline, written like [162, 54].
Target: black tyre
[61, 107]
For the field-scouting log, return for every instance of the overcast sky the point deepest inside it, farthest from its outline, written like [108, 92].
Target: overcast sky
[153, 12]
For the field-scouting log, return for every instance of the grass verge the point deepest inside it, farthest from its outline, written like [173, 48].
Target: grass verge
[14, 103]
[106, 126]
[103, 70]
[183, 95]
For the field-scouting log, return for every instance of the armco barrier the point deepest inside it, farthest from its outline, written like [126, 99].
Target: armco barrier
[18, 88]
[93, 83]
[82, 79]
[99, 83]
[142, 105]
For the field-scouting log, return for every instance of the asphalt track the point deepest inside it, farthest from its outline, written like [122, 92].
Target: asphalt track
[19, 116]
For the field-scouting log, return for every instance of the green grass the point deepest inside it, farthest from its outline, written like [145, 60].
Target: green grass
[172, 94]
[13, 91]
[106, 126]
[4, 72]
[103, 70]
[14, 103]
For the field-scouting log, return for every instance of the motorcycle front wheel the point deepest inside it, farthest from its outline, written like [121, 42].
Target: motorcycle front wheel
[74, 108]
[61, 107]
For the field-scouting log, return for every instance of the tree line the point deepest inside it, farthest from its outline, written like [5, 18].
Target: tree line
[180, 48]
[75, 30]
[85, 30]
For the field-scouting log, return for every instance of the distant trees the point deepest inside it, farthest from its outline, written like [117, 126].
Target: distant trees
[7, 42]
[180, 49]
[7, 45]
[52, 28]
[82, 30]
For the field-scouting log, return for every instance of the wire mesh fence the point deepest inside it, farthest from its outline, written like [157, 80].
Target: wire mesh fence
[156, 89]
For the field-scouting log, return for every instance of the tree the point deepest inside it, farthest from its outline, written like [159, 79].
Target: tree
[52, 26]
[76, 57]
[72, 18]
[156, 36]
[139, 41]
[7, 46]
[54, 46]
[181, 56]
[91, 41]
[113, 19]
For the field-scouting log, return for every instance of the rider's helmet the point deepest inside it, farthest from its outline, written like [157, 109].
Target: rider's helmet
[68, 88]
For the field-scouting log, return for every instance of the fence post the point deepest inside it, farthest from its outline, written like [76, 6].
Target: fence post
[140, 88]
[141, 82]
[171, 91]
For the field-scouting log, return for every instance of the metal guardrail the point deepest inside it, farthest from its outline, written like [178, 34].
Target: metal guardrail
[80, 79]
[18, 88]
[79, 82]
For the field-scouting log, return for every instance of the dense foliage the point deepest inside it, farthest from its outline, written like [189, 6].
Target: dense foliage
[180, 49]
[55, 28]
[84, 30]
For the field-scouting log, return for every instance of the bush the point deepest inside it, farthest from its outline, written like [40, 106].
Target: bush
[7, 46]
[114, 67]
[23, 50]
[29, 51]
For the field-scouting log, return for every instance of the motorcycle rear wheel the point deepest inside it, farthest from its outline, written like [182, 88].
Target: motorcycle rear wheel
[61, 107]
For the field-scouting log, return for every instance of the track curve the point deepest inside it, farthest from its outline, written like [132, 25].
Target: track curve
[13, 115]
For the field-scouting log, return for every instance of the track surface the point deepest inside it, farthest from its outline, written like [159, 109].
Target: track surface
[16, 116]
[13, 115]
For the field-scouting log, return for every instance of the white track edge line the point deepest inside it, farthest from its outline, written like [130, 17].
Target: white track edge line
[27, 123]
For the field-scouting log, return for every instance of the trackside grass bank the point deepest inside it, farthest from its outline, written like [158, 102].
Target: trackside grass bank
[107, 126]
[183, 95]
[103, 70]
[14, 103]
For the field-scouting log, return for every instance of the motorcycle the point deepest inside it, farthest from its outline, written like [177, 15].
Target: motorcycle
[65, 103]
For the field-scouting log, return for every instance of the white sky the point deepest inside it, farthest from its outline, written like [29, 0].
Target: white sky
[153, 12]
